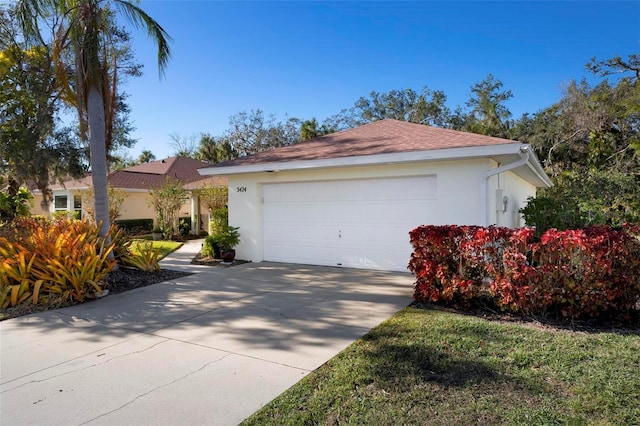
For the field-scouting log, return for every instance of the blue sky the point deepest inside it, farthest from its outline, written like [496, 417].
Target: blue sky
[312, 59]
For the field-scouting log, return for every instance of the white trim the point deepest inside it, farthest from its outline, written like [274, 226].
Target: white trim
[136, 190]
[536, 167]
[365, 160]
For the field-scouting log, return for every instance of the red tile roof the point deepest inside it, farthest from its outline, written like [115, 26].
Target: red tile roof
[151, 175]
[380, 137]
[208, 181]
[183, 168]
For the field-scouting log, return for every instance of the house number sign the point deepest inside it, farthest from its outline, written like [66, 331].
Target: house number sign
[241, 189]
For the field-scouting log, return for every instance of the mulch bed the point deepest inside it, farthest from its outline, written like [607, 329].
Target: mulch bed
[121, 280]
[125, 279]
[210, 261]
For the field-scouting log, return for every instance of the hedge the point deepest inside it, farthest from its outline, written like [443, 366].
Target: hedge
[590, 273]
[136, 226]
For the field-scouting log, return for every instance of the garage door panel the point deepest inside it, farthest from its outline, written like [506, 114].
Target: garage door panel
[356, 223]
[303, 253]
[289, 234]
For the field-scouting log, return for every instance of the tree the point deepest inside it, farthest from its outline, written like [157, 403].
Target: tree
[309, 129]
[183, 146]
[590, 127]
[616, 65]
[427, 107]
[215, 151]
[489, 115]
[167, 200]
[252, 132]
[116, 200]
[32, 149]
[14, 200]
[215, 199]
[146, 156]
[83, 33]
[590, 141]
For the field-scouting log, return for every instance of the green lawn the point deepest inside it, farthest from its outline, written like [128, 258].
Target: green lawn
[428, 367]
[165, 247]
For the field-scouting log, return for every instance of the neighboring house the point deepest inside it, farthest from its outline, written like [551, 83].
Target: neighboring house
[136, 182]
[350, 198]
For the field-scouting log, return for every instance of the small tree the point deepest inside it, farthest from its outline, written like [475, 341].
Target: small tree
[14, 201]
[116, 199]
[167, 200]
[215, 198]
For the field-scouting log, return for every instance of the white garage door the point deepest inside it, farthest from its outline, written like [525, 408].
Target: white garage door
[360, 223]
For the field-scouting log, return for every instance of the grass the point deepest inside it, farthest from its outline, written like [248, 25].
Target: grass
[165, 247]
[440, 368]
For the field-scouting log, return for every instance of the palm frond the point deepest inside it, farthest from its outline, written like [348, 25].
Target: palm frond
[141, 20]
[27, 12]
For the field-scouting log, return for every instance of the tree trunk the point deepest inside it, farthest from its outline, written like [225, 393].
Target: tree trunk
[95, 113]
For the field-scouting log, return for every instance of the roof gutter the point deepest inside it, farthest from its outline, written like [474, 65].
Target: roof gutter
[525, 154]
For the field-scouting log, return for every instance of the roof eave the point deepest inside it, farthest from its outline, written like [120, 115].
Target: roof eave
[367, 160]
[536, 167]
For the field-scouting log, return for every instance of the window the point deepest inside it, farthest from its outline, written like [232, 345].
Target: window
[60, 202]
[77, 206]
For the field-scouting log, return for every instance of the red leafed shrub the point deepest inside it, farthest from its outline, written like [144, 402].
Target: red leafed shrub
[586, 273]
[448, 262]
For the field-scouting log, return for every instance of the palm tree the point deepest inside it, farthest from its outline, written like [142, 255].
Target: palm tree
[309, 129]
[83, 32]
[146, 156]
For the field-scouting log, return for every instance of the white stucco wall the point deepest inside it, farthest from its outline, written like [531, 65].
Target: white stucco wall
[458, 196]
[518, 190]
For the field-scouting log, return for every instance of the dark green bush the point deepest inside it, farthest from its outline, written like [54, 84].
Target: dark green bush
[585, 198]
[184, 226]
[545, 213]
[136, 226]
[210, 247]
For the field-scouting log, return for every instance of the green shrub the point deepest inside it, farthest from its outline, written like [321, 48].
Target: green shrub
[210, 247]
[184, 226]
[545, 213]
[142, 255]
[585, 198]
[136, 226]
[219, 220]
[14, 202]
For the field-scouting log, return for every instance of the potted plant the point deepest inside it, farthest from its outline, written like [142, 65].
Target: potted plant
[156, 233]
[227, 240]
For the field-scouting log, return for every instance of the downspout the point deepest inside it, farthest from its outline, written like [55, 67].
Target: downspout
[484, 183]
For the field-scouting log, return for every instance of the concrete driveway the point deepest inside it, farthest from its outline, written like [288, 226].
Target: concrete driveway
[210, 348]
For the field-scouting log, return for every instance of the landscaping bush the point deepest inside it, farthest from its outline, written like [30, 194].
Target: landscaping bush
[210, 247]
[184, 226]
[219, 220]
[136, 226]
[138, 254]
[52, 262]
[588, 273]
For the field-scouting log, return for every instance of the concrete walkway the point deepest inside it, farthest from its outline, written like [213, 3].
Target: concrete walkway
[207, 349]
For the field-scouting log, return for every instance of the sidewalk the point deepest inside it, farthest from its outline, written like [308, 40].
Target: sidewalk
[180, 260]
